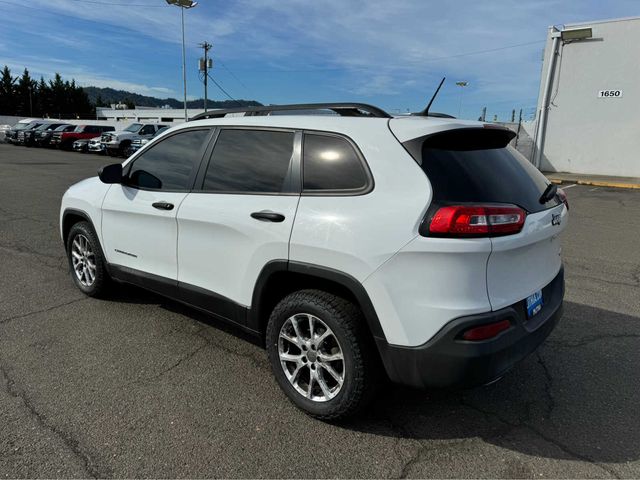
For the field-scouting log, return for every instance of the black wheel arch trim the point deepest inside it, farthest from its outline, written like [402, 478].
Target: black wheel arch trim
[79, 213]
[256, 314]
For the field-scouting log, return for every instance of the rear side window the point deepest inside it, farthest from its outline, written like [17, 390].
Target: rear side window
[170, 164]
[476, 166]
[331, 164]
[250, 161]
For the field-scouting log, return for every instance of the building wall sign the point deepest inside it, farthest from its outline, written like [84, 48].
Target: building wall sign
[609, 93]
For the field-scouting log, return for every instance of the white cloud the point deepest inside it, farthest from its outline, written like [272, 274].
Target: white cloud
[377, 47]
[83, 77]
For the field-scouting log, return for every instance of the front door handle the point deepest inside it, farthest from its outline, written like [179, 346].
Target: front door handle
[268, 216]
[162, 205]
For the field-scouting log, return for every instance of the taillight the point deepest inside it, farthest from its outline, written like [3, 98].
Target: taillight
[485, 332]
[562, 195]
[477, 220]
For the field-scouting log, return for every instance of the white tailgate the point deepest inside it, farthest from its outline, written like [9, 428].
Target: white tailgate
[522, 264]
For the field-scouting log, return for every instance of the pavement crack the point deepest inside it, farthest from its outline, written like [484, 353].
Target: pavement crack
[551, 402]
[176, 364]
[43, 310]
[69, 441]
[257, 362]
[562, 447]
[44, 259]
[593, 338]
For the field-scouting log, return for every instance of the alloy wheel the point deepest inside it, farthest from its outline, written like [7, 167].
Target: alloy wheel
[83, 260]
[311, 357]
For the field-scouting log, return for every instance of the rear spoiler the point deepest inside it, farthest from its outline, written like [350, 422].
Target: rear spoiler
[489, 136]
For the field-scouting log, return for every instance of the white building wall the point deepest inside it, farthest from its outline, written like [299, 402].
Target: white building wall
[587, 134]
[149, 115]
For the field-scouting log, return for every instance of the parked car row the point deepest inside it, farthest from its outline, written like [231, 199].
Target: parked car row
[82, 138]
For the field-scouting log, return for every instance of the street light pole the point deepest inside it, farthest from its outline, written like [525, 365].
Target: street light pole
[183, 4]
[461, 85]
[184, 67]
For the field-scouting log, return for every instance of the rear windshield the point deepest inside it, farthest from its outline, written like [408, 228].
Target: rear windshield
[477, 166]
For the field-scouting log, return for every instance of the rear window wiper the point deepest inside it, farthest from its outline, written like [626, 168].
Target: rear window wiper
[549, 193]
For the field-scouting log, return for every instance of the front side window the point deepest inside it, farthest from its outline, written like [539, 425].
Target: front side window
[331, 163]
[147, 130]
[250, 161]
[170, 164]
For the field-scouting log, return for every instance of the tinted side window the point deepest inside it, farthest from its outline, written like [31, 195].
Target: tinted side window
[331, 163]
[170, 164]
[249, 161]
[147, 130]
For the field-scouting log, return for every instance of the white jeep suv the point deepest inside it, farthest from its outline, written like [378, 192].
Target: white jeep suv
[355, 245]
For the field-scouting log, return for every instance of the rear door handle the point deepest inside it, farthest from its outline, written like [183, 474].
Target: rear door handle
[268, 216]
[162, 205]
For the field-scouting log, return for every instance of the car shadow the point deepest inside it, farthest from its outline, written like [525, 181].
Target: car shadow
[127, 293]
[577, 396]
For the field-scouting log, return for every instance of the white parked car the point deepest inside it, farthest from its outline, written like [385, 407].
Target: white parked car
[3, 132]
[95, 145]
[356, 245]
[117, 143]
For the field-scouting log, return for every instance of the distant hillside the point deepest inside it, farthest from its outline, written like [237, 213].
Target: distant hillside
[110, 95]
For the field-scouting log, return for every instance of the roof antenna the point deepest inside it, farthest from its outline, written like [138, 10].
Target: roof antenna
[425, 112]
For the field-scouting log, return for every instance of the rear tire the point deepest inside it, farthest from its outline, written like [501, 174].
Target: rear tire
[86, 261]
[321, 354]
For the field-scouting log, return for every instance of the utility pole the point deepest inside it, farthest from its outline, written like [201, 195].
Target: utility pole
[204, 65]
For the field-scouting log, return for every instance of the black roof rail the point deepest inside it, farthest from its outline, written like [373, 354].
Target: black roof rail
[342, 109]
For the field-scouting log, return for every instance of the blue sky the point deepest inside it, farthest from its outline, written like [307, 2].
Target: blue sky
[391, 53]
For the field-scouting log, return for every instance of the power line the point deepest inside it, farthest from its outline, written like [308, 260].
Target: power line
[223, 90]
[233, 74]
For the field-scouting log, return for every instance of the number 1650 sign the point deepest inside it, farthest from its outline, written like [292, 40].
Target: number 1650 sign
[609, 93]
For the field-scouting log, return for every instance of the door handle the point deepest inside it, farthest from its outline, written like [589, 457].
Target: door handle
[268, 216]
[162, 205]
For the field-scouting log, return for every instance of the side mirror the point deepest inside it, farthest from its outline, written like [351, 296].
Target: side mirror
[111, 173]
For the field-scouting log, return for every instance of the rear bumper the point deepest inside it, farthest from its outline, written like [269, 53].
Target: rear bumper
[448, 361]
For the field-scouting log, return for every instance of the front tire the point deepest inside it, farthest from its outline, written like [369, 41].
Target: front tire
[86, 260]
[321, 354]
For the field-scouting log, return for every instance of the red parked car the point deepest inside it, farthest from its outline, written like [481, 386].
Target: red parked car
[65, 140]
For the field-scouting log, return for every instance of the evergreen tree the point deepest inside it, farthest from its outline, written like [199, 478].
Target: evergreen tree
[7, 90]
[43, 99]
[57, 93]
[24, 93]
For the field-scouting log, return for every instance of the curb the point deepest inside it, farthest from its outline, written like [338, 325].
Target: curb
[596, 183]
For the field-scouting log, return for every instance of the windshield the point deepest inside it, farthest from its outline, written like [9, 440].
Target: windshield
[134, 127]
[44, 126]
[61, 128]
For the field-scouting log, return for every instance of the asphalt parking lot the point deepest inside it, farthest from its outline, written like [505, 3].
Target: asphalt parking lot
[140, 386]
